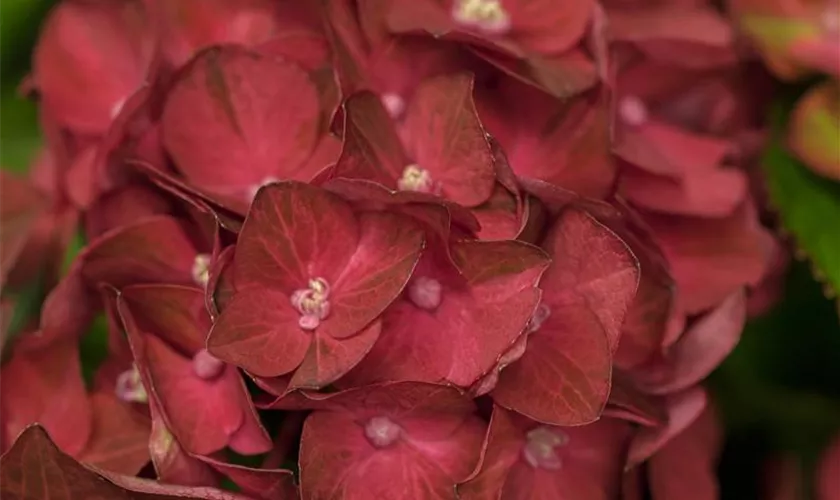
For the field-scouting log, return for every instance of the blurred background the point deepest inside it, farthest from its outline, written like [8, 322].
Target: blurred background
[779, 392]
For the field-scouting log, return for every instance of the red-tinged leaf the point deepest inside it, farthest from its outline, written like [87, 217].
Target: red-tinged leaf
[262, 484]
[481, 313]
[328, 358]
[155, 249]
[590, 457]
[79, 43]
[430, 455]
[43, 384]
[700, 349]
[202, 412]
[446, 138]
[372, 149]
[683, 409]
[172, 464]
[260, 114]
[259, 332]
[119, 441]
[288, 238]
[687, 466]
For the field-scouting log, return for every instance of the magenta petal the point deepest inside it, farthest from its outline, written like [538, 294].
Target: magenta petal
[388, 248]
[289, 238]
[199, 411]
[563, 378]
[475, 323]
[259, 113]
[328, 358]
[372, 149]
[259, 331]
[446, 138]
[593, 269]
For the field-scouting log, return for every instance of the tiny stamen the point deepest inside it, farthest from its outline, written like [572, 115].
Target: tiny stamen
[312, 303]
[130, 387]
[394, 104]
[201, 269]
[487, 15]
[425, 292]
[417, 179]
[206, 366]
[382, 431]
[633, 111]
[540, 450]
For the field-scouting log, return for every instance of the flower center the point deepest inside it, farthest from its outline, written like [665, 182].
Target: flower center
[417, 179]
[486, 15]
[130, 387]
[201, 269]
[540, 315]
[633, 111]
[382, 431]
[206, 366]
[425, 292]
[312, 303]
[540, 449]
[394, 104]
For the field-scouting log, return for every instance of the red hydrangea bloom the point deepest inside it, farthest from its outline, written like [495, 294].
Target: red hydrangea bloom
[400, 440]
[525, 459]
[400, 221]
[203, 400]
[304, 304]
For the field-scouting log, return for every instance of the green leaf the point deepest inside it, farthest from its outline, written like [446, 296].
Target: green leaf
[808, 204]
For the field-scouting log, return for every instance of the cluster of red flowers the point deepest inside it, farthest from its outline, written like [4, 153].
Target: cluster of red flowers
[381, 249]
